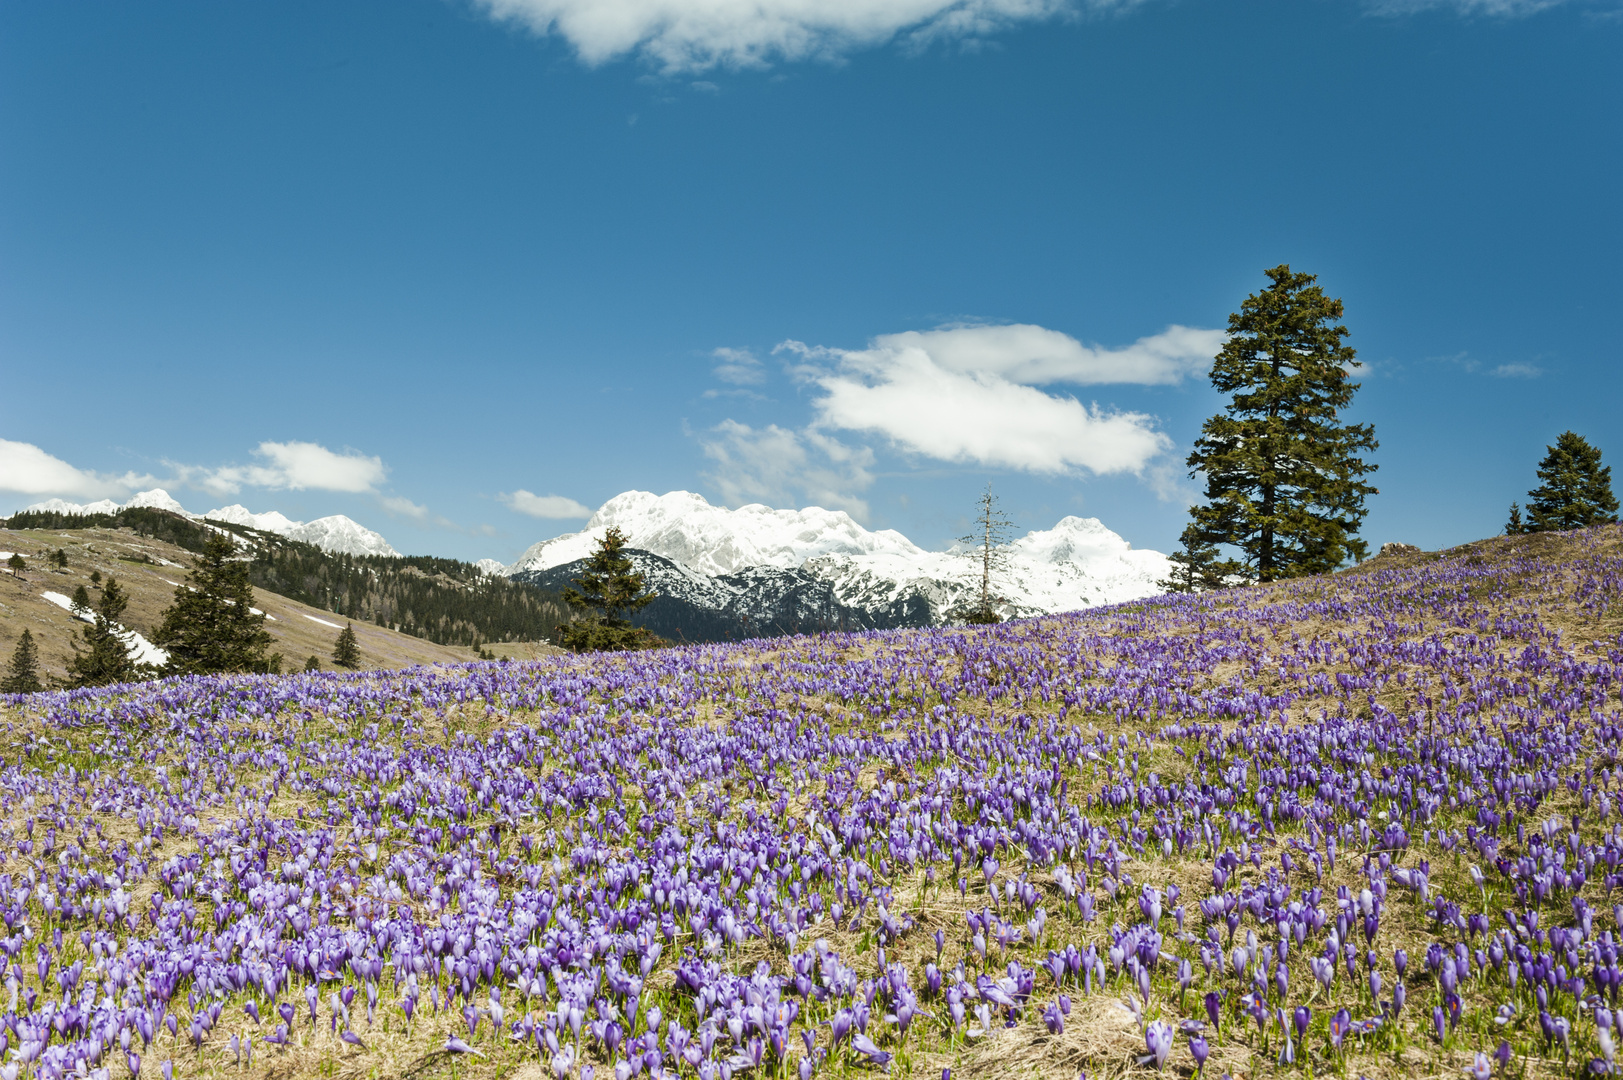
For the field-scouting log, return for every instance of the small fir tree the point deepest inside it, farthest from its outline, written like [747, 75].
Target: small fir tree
[16, 564]
[1284, 476]
[60, 558]
[212, 627]
[22, 674]
[81, 600]
[609, 589]
[347, 652]
[106, 657]
[1576, 489]
[95, 577]
[313, 663]
[1516, 524]
[1196, 566]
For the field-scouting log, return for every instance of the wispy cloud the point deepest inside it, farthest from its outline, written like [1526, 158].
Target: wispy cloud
[555, 507]
[290, 466]
[28, 470]
[1517, 371]
[1467, 363]
[783, 467]
[697, 35]
[739, 367]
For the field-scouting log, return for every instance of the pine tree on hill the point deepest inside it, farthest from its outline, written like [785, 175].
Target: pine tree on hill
[313, 663]
[347, 652]
[988, 546]
[81, 599]
[106, 658]
[1284, 476]
[610, 588]
[16, 564]
[212, 628]
[22, 674]
[1576, 491]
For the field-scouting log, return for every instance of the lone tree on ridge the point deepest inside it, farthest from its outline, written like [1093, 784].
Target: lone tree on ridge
[1576, 491]
[609, 589]
[1284, 476]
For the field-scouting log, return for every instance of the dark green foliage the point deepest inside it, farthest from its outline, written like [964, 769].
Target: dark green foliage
[1196, 566]
[95, 578]
[17, 564]
[312, 664]
[608, 590]
[22, 674]
[81, 599]
[347, 652]
[1284, 479]
[105, 659]
[441, 600]
[1516, 524]
[1576, 491]
[60, 558]
[211, 628]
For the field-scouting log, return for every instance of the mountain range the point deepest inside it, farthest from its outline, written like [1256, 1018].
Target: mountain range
[338, 534]
[756, 571]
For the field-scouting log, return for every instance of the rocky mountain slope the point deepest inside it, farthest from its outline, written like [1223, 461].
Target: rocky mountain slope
[736, 573]
[337, 533]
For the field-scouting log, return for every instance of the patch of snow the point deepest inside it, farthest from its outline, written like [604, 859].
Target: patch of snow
[139, 648]
[323, 622]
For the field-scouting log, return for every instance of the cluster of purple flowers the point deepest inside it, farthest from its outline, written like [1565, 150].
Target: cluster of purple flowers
[1330, 817]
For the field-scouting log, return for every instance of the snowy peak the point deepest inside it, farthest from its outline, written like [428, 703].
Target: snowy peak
[1078, 563]
[338, 534]
[713, 540]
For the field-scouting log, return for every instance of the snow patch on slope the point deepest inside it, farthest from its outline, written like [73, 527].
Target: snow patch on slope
[139, 648]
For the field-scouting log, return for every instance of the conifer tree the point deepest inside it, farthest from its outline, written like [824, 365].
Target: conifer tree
[81, 600]
[60, 558]
[1284, 476]
[1196, 566]
[22, 674]
[106, 658]
[16, 564]
[988, 547]
[1576, 491]
[313, 663]
[347, 652]
[212, 627]
[610, 588]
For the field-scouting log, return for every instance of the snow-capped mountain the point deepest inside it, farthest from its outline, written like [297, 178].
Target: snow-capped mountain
[338, 534]
[766, 567]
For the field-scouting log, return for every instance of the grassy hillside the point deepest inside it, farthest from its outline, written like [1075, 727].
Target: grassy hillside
[149, 570]
[442, 600]
[1354, 825]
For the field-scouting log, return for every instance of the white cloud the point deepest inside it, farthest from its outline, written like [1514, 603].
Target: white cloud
[1504, 9]
[782, 467]
[1035, 355]
[294, 466]
[1517, 371]
[544, 506]
[28, 470]
[696, 35]
[739, 367]
[960, 395]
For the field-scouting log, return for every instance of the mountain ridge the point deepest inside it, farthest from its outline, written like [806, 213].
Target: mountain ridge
[336, 533]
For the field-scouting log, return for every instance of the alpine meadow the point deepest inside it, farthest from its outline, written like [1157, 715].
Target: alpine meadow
[690, 540]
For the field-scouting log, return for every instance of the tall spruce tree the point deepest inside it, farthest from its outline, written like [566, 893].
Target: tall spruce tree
[609, 589]
[1576, 491]
[22, 674]
[106, 658]
[1284, 476]
[212, 627]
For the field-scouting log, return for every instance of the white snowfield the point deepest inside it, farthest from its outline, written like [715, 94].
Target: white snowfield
[323, 622]
[1078, 563]
[139, 648]
[338, 534]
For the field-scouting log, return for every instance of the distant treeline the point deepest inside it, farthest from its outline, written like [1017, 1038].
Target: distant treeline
[441, 600]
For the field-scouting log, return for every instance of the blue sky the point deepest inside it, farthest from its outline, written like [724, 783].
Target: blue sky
[452, 267]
